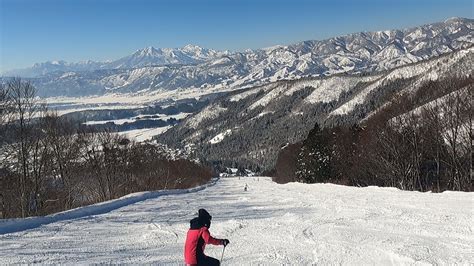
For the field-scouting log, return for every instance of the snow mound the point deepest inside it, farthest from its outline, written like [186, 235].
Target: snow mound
[16, 225]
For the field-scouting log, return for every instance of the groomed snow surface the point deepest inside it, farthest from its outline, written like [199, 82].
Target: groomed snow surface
[269, 224]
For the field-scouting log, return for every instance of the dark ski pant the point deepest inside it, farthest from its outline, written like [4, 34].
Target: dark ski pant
[208, 261]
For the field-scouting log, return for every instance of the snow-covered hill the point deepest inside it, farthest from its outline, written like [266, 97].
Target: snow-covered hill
[298, 224]
[148, 69]
[250, 126]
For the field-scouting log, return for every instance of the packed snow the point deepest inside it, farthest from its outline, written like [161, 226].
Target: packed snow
[294, 223]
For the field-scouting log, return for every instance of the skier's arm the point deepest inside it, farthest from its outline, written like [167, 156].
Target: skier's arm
[209, 239]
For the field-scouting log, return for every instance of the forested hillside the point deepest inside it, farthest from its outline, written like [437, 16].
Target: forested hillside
[419, 140]
[249, 127]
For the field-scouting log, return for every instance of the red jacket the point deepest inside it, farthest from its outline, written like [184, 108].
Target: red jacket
[196, 241]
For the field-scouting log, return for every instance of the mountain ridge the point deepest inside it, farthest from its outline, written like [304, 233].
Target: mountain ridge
[148, 56]
[250, 126]
[361, 52]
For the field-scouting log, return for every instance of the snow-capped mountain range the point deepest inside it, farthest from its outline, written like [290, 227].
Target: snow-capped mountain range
[149, 56]
[193, 67]
[250, 126]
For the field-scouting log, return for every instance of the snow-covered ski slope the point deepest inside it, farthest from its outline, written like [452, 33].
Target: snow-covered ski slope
[269, 224]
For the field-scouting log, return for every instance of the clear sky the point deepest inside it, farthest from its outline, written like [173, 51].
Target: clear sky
[73, 30]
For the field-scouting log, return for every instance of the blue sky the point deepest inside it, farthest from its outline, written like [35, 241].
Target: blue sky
[73, 30]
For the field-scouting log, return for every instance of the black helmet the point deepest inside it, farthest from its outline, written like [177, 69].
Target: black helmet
[205, 217]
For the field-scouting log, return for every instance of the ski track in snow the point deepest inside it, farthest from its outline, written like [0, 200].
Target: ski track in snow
[269, 224]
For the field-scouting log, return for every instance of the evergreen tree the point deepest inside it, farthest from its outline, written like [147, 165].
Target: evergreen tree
[313, 163]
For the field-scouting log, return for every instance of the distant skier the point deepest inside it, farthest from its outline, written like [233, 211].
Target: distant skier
[246, 187]
[197, 238]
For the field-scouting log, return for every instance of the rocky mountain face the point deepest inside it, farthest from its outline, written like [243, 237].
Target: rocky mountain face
[153, 69]
[250, 126]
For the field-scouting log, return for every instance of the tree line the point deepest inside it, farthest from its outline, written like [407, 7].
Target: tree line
[50, 163]
[418, 141]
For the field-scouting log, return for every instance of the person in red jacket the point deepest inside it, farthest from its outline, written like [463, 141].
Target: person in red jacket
[197, 238]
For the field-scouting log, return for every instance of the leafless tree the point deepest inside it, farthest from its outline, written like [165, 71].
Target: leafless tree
[4, 103]
[62, 141]
[457, 118]
[50, 165]
[25, 109]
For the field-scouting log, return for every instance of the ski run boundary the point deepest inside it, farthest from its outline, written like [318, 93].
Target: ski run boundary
[18, 224]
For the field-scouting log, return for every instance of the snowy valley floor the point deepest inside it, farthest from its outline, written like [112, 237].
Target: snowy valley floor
[269, 224]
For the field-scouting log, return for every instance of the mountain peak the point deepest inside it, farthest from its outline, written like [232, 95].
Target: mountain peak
[455, 19]
[192, 46]
[148, 51]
